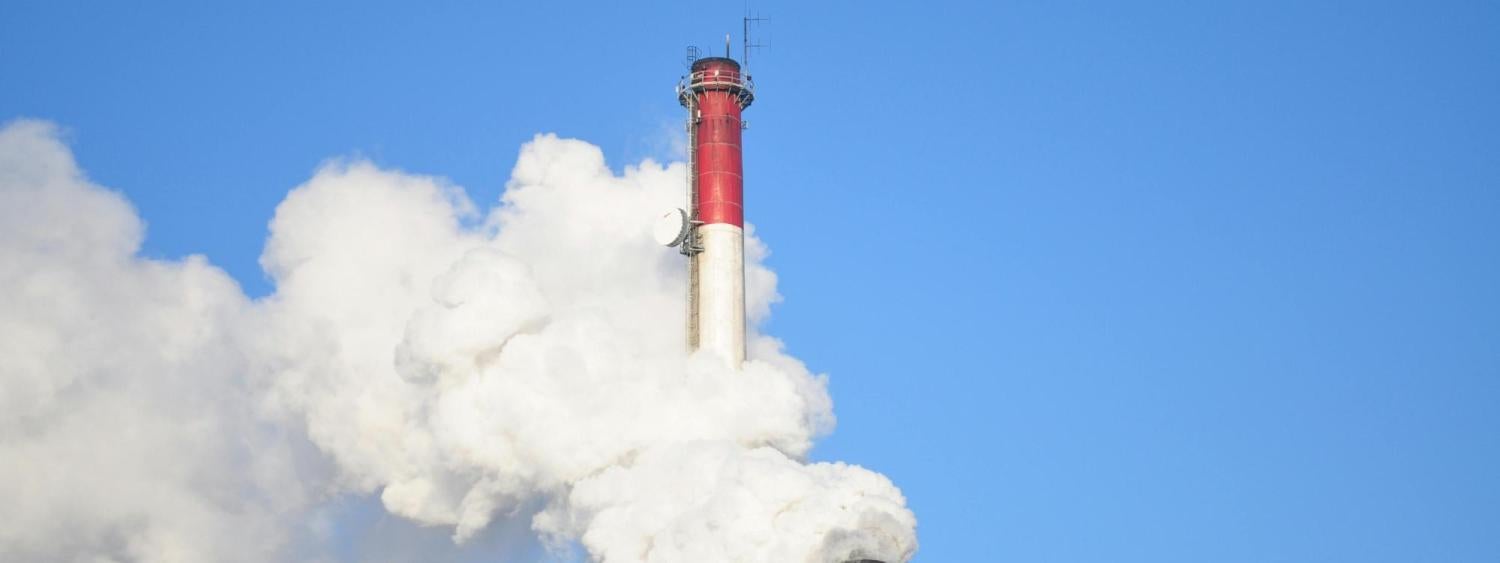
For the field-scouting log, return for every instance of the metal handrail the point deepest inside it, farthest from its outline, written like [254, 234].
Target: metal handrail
[704, 80]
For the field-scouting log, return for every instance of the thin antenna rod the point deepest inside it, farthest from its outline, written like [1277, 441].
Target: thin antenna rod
[726, 45]
[750, 44]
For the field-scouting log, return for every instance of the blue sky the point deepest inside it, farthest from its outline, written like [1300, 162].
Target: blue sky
[1167, 281]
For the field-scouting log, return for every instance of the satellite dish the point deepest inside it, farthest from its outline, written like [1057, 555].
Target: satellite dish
[671, 227]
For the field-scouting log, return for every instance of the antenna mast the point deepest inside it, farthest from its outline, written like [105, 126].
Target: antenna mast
[750, 22]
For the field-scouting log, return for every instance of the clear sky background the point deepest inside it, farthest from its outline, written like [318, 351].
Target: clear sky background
[1162, 281]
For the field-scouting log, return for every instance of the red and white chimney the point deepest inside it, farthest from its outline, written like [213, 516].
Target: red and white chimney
[712, 231]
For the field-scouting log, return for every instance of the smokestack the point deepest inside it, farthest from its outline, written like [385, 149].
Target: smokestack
[715, 92]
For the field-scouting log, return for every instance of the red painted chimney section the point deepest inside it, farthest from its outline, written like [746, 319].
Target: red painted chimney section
[720, 93]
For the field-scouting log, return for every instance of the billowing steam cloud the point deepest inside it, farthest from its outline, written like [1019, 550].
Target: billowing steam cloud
[463, 366]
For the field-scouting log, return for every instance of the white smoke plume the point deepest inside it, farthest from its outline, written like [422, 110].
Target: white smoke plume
[463, 366]
[128, 429]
